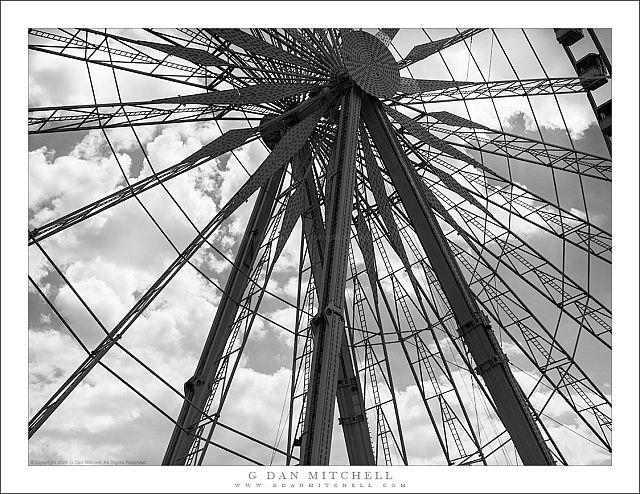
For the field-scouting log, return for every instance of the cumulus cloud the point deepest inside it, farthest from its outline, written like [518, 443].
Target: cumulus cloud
[38, 269]
[287, 318]
[60, 185]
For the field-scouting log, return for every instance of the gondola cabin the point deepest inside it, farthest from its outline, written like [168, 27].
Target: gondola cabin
[591, 70]
[567, 37]
[604, 117]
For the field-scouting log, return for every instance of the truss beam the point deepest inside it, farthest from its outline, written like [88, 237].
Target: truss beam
[77, 48]
[47, 120]
[419, 92]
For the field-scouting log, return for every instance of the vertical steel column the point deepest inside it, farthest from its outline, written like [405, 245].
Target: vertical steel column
[329, 323]
[198, 387]
[353, 417]
[473, 326]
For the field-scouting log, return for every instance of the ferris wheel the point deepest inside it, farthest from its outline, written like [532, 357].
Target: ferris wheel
[437, 203]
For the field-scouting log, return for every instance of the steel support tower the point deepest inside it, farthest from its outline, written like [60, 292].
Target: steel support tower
[330, 322]
[345, 384]
[473, 325]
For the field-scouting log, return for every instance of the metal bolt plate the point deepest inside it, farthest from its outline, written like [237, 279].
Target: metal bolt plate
[370, 64]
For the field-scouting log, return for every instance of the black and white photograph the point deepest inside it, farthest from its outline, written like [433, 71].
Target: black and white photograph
[324, 258]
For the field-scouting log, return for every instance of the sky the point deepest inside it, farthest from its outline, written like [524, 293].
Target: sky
[112, 259]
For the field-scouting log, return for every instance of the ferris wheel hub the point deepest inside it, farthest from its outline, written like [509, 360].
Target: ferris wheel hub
[370, 64]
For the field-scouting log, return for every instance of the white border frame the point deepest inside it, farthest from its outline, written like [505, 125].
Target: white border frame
[17, 17]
